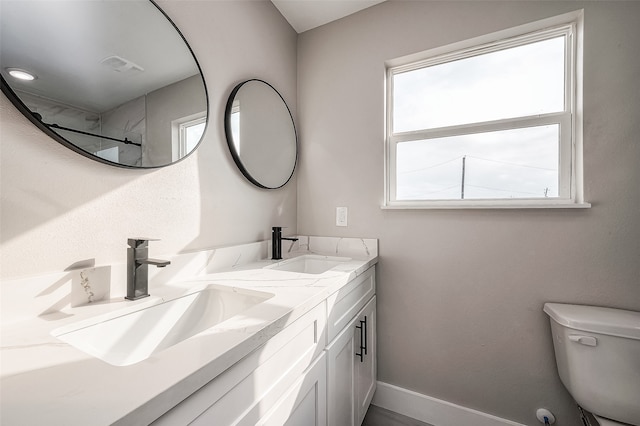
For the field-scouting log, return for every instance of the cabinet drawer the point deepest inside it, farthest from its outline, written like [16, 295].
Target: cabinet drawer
[246, 391]
[344, 304]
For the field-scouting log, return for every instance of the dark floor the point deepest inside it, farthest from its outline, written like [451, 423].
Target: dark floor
[377, 416]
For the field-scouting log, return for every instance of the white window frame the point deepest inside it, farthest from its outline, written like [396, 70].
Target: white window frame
[570, 121]
[183, 127]
[178, 133]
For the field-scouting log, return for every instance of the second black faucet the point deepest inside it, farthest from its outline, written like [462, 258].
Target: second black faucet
[276, 242]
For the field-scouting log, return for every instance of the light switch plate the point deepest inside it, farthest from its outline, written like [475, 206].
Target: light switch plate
[341, 216]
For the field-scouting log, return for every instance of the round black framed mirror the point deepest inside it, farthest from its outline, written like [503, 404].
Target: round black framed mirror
[261, 134]
[112, 80]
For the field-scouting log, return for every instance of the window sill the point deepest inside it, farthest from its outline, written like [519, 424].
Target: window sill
[486, 205]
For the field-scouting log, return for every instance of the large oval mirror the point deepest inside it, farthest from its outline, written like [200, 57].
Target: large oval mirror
[261, 134]
[113, 80]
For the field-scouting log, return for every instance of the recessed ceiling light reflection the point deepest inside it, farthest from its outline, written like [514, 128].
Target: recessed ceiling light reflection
[21, 74]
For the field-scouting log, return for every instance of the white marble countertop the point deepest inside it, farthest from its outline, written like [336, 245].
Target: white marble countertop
[46, 381]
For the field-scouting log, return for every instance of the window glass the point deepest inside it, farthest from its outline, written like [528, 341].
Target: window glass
[193, 135]
[514, 163]
[235, 124]
[514, 82]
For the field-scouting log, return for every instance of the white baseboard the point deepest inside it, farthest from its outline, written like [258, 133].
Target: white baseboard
[431, 410]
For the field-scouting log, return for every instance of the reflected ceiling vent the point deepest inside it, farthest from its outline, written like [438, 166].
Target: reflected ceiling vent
[120, 64]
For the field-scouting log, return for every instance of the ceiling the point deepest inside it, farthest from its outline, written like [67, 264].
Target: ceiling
[304, 15]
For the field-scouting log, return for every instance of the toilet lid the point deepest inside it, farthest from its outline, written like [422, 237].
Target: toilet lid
[607, 422]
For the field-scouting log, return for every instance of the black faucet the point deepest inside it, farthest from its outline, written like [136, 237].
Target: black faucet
[137, 268]
[276, 242]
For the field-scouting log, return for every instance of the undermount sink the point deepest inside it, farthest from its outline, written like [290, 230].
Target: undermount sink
[127, 338]
[309, 264]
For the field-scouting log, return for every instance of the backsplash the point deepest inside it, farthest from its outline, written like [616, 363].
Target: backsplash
[348, 247]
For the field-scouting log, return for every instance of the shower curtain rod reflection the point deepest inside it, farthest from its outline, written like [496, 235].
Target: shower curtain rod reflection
[124, 141]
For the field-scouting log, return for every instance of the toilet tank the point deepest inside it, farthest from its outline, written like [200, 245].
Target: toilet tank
[598, 357]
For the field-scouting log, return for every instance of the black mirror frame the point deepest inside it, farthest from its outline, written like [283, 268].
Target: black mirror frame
[17, 102]
[229, 135]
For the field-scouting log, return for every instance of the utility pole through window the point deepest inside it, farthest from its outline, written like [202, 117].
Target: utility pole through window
[464, 159]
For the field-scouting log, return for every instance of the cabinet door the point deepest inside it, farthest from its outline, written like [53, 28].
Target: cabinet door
[351, 364]
[305, 403]
[365, 365]
[341, 376]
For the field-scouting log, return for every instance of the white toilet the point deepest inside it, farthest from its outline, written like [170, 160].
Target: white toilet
[598, 357]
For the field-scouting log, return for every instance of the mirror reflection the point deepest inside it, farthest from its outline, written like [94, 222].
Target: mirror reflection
[113, 80]
[261, 134]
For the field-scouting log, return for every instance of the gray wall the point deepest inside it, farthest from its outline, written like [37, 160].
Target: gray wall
[58, 208]
[461, 292]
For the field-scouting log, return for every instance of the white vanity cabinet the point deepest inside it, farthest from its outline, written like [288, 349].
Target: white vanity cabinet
[318, 370]
[281, 382]
[351, 355]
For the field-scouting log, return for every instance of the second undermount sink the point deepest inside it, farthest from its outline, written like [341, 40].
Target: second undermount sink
[127, 338]
[309, 264]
